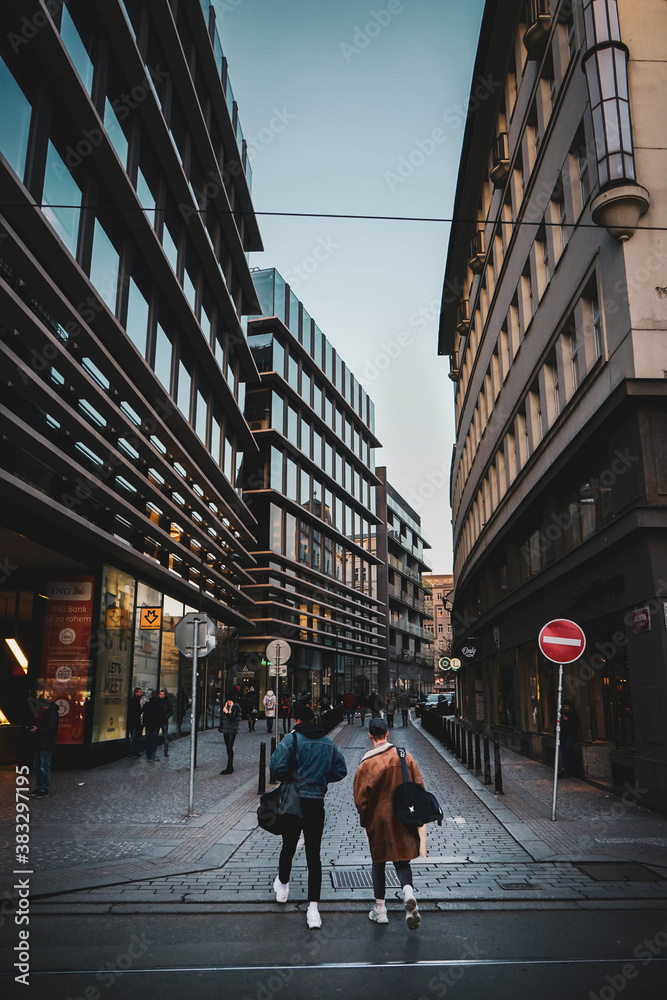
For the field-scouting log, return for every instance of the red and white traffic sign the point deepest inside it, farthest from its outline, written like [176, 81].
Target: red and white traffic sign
[562, 641]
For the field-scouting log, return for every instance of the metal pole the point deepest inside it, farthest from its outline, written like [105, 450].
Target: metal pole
[478, 755]
[277, 689]
[487, 762]
[560, 692]
[193, 715]
[261, 784]
[498, 774]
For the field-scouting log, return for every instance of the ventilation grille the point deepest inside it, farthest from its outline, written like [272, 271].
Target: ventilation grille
[618, 871]
[360, 878]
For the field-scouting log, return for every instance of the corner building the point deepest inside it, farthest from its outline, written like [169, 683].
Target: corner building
[312, 491]
[125, 287]
[554, 315]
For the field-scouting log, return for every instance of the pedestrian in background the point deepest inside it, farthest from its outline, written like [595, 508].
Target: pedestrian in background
[350, 705]
[168, 712]
[153, 719]
[404, 705]
[269, 709]
[134, 726]
[319, 762]
[251, 704]
[286, 711]
[378, 775]
[363, 708]
[569, 724]
[376, 705]
[231, 720]
[391, 709]
[44, 731]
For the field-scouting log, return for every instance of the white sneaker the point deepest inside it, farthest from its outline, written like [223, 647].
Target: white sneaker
[313, 919]
[412, 916]
[281, 891]
[379, 916]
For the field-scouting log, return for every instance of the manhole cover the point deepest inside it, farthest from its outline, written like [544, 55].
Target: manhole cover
[360, 878]
[618, 871]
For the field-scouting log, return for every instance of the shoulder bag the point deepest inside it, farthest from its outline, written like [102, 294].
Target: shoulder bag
[413, 805]
[279, 806]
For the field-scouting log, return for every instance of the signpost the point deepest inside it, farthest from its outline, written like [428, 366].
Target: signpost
[278, 650]
[561, 641]
[192, 641]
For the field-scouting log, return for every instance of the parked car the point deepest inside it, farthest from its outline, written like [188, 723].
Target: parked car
[442, 701]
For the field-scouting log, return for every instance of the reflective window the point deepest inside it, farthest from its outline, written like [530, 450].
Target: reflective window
[184, 388]
[14, 121]
[317, 399]
[260, 345]
[163, 349]
[215, 439]
[328, 412]
[60, 188]
[305, 437]
[316, 549]
[291, 483]
[304, 333]
[317, 448]
[304, 493]
[189, 290]
[277, 411]
[104, 266]
[328, 459]
[339, 469]
[292, 425]
[339, 373]
[290, 536]
[170, 248]
[276, 470]
[115, 132]
[293, 373]
[304, 543]
[328, 359]
[293, 314]
[77, 50]
[201, 416]
[278, 358]
[228, 462]
[305, 387]
[317, 346]
[275, 529]
[147, 201]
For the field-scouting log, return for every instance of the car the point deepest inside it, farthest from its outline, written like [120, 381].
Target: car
[442, 701]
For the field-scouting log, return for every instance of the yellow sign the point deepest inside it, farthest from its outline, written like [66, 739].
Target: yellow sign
[117, 618]
[150, 618]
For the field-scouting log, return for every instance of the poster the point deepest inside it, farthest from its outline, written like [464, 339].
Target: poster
[65, 668]
[114, 649]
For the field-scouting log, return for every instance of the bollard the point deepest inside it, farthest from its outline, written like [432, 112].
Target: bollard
[487, 762]
[450, 735]
[478, 756]
[457, 726]
[273, 744]
[261, 785]
[471, 759]
[497, 768]
[464, 752]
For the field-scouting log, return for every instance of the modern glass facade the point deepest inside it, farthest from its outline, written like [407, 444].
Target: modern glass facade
[124, 283]
[312, 489]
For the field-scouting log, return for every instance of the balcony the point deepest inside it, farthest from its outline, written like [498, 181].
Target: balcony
[538, 25]
[500, 155]
[477, 253]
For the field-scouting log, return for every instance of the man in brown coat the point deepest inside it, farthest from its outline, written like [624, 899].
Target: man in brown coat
[378, 774]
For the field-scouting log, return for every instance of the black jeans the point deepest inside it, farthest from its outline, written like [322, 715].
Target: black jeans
[152, 736]
[287, 723]
[405, 712]
[312, 825]
[229, 743]
[403, 870]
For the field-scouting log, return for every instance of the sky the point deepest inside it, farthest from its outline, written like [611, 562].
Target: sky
[360, 109]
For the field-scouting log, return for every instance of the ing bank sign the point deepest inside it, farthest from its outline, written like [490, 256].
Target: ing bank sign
[69, 590]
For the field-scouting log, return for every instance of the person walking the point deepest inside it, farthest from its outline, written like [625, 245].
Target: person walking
[319, 762]
[376, 705]
[350, 705]
[569, 724]
[231, 720]
[391, 709]
[362, 705]
[269, 709]
[153, 719]
[44, 731]
[134, 726]
[168, 712]
[286, 711]
[378, 775]
[251, 703]
[404, 705]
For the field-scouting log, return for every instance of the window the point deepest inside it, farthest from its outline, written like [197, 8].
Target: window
[115, 132]
[104, 266]
[147, 201]
[201, 416]
[597, 325]
[584, 176]
[184, 389]
[574, 354]
[60, 188]
[169, 247]
[76, 49]
[163, 352]
[14, 122]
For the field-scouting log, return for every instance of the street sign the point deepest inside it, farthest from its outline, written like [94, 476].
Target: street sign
[278, 651]
[444, 663]
[454, 663]
[562, 641]
[150, 618]
[184, 634]
[282, 670]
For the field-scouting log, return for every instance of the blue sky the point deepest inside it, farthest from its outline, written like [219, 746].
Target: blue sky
[357, 108]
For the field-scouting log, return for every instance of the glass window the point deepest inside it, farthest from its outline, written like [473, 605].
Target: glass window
[14, 121]
[228, 464]
[184, 388]
[215, 439]
[317, 549]
[328, 358]
[328, 459]
[115, 132]
[260, 346]
[304, 543]
[170, 248]
[275, 529]
[276, 470]
[317, 346]
[305, 387]
[305, 437]
[328, 412]
[328, 506]
[304, 497]
[189, 290]
[60, 188]
[291, 484]
[163, 350]
[77, 50]
[339, 423]
[293, 314]
[317, 448]
[278, 358]
[146, 198]
[201, 416]
[304, 334]
[279, 296]
[104, 266]
[339, 373]
[293, 373]
[263, 282]
[339, 469]
[317, 399]
[292, 425]
[277, 411]
[290, 536]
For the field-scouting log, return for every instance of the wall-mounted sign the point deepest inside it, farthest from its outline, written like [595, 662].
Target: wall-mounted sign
[641, 620]
[151, 618]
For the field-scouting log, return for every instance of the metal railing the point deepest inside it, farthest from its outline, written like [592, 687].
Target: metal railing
[465, 744]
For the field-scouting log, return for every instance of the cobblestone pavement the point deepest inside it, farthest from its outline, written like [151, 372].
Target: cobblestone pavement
[119, 835]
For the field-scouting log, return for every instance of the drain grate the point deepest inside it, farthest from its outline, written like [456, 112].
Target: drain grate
[617, 871]
[360, 878]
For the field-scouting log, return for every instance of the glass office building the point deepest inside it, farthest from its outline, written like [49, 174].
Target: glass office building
[125, 288]
[312, 489]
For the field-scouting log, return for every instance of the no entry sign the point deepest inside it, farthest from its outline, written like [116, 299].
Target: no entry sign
[562, 641]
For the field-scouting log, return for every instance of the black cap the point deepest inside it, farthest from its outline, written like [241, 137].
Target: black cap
[377, 727]
[303, 713]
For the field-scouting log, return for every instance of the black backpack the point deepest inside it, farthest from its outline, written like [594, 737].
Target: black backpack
[413, 805]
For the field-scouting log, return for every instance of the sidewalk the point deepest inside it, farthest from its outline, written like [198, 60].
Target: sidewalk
[119, 835]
